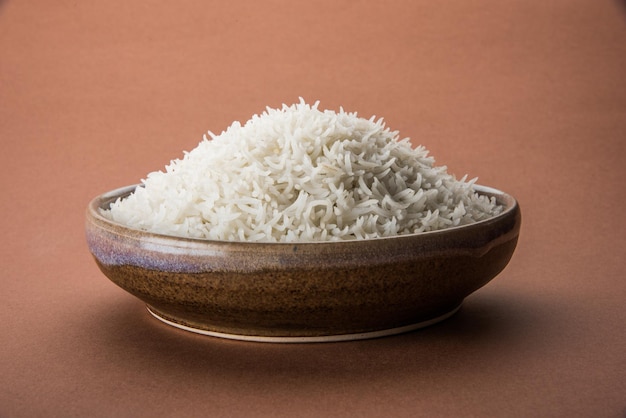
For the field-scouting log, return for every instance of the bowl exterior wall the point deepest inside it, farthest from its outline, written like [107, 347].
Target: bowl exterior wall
[303, 289]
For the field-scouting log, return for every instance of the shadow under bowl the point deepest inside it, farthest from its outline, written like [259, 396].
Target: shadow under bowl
[303, 292]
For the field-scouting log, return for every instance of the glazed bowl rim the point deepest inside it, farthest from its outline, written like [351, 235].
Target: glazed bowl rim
[93, 212]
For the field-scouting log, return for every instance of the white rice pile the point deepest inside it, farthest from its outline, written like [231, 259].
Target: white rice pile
[300, 174]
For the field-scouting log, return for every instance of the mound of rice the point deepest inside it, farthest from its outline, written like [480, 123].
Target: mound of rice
[300, 174]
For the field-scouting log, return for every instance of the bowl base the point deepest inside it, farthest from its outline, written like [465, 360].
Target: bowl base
[308, 339]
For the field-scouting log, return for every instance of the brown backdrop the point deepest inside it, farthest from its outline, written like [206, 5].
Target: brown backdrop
[528, 95]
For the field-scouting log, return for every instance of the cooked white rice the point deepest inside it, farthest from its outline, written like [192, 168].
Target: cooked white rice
[301, 174]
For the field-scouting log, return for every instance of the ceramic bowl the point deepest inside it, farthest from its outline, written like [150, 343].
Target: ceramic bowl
[303, 292]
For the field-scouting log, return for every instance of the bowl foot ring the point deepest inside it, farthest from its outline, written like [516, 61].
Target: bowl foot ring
[309, 339]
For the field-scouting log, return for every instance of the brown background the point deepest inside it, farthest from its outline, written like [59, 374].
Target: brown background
[528, 95]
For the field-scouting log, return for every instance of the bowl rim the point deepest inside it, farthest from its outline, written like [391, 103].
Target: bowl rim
[509, 202]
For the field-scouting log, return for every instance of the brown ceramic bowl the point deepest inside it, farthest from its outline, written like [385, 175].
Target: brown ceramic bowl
[304, 292]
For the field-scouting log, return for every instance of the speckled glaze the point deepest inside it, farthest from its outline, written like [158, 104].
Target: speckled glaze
[324, 291]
